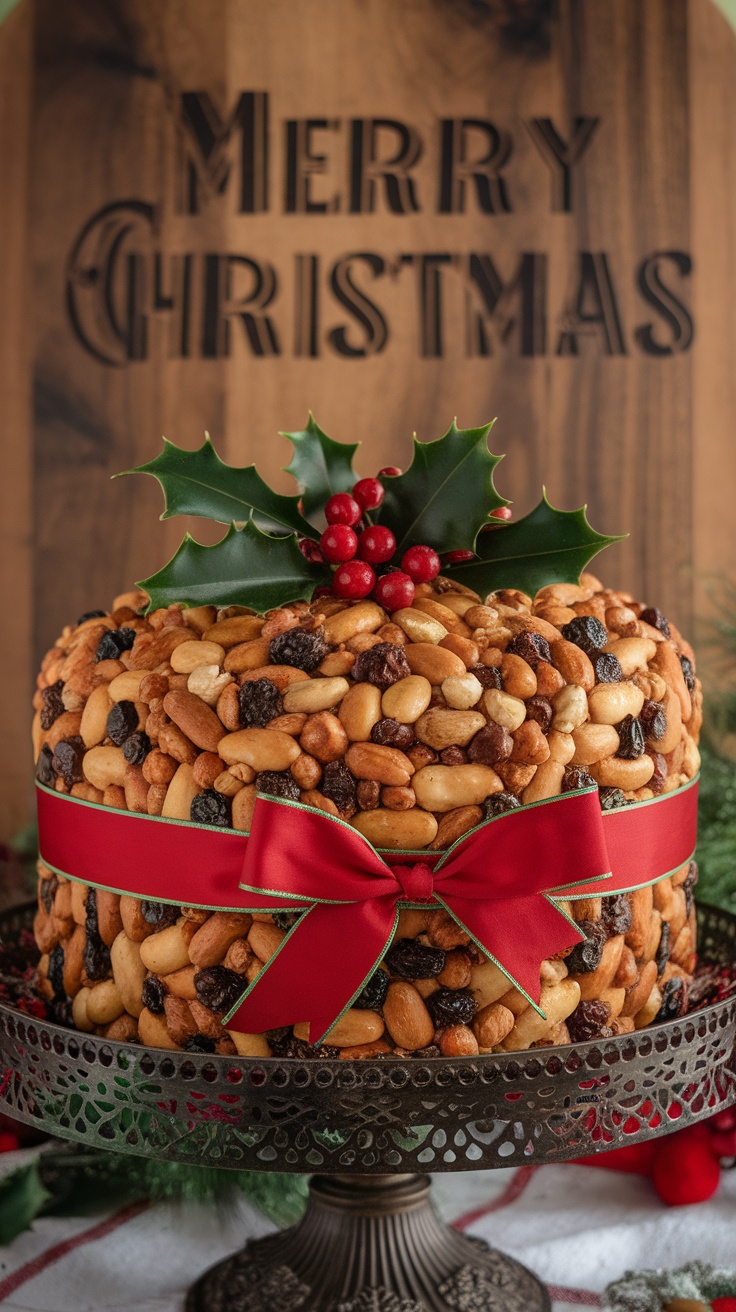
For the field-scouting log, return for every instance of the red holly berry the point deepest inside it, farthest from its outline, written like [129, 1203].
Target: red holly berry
[342, 509]
[458, 557]
[338, 543]
[368, 493]
[9, 1143]
[376, 544]
[389, 471]
[421, 563]
[685, 1169]
[501, 512]
[310, 551]
[353, 579]
[394, 590]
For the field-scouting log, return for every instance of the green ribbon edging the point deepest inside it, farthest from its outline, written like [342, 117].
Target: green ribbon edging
[5, 7]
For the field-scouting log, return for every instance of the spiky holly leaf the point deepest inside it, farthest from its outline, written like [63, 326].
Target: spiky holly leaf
[200, 483]
[320, 466]
[246, 568]
[546, 546]
[446, 493]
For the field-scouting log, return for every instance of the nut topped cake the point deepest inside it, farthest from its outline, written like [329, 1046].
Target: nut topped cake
[409, 705]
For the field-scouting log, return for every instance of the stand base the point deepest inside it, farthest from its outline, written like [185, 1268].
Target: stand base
[368, 1244]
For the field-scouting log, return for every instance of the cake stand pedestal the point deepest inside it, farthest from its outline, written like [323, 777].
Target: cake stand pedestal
[371, 1130]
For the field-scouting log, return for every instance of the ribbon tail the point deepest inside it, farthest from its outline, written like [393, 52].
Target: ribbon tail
[319, 968]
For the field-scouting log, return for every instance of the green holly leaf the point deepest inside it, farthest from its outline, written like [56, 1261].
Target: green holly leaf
[22, 1196]
[320, 466]
[446, 493]
[246, 568]
[200, 483]
[546, 546]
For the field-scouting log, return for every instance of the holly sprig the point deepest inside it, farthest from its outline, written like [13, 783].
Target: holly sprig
[443, 509]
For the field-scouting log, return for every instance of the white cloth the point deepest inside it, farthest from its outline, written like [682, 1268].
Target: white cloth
[576, 1227]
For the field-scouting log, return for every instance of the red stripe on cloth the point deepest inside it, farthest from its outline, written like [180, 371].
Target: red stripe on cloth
[57, 1251]
[585, 1297]
[514, 1189]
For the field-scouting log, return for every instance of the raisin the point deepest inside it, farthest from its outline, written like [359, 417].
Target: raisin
[574, 777]
[586, 956]
[653, 615]
[487, 675]
[259, 701]
[47, 892]
[45, 772]
[531, 646]
[211, 808]
[56, 971]
[298, 648]
[631, 739]
[60, 1012]
[674, 999]
[289, 1046]
[539, 709]
[153, 994]
[52, 706]
[67, 762]
[278, 783]
[413, 960]
[391, 733]
[160, 914]
[490, 745]
[616, 914]
[663, 950]
[659, 774]
[91, 615]
[90, 912]
[339, 785]
[590, 1021]
[689, 885]
[688, 673]
[653, 720]
[286, 919]
[433, 1050]
[199, 1043]
[136, 748]
[381, 665]
[587, 633]
[122, 722]
[369, 794]
[451, 1007]
[607, 668]
[373, 994]
[453, 756]
[112, 644]
[611, 798]
[218, 988]
[499, 804]
[96, 956]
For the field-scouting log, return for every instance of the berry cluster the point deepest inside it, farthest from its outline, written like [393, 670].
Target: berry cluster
[356, 546]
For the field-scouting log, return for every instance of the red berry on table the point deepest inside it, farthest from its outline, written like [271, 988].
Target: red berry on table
[338, 543]
[342, 509]
[376, 544]
[458, 557]
[311, 551]
[353, 579]
[501, 512]
[389, 471]
[369, 493]
[685, 1169]
[421, 563]
[394, 590]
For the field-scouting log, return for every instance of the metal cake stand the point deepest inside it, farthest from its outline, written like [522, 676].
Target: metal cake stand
[370, 1240]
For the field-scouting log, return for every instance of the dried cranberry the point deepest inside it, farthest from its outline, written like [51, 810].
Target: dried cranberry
[587, 633]
[586, 956]
[674, 999]
[653, 719]
[658, 777]
[339, 785]
[689, 885]
[211, 808]
[453, 756]
[122, 722]
[663, 950]
[299, 648]
[56, 971]
[531, 646]
[499, 804]
[218, 988]
[607, 668]
[199, 1043]
[68, 756]
[631, 743]
[373, 994]
[391, 733]
[160, 914]
[278, 783]
[411, 959]
[45, 772]
[490, 745]
[259, 701]
[652, 615]
[539, 709]
[590, 1021]
[616, 914]
[451, 1007]
[91, 615]
[153, 994]
[136, 748]
[47, 892]
[487, 675]
[113, 643]
[574, 777]
[52, 706]
[611, 798]
[381, 665]
[688, 673]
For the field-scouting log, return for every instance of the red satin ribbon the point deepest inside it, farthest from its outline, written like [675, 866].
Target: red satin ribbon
[496, 881]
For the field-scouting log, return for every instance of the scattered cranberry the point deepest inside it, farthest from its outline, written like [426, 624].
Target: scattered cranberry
[389, 471]
[9, 1143]
[310, 551]
[458, 557]
[338, 543]
[421, 564]
[353, 579]
[376, 544]
[342, 509]
[394, 590]
[501, 512]
[368, 493]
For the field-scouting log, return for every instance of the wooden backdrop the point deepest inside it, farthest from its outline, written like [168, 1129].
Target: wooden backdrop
[201, 228]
